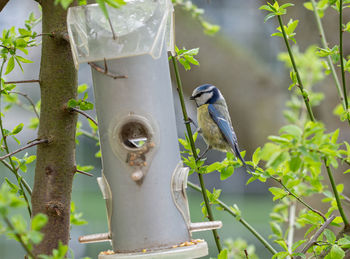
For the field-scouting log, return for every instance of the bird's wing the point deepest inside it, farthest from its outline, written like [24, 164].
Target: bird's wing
[226, 130]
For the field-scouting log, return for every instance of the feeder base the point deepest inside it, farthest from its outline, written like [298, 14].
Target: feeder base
[187, 252]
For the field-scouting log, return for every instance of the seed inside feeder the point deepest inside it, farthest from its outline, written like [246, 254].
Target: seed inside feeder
[134, 135]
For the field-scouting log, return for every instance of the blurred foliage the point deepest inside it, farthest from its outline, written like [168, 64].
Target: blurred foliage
[292, 159]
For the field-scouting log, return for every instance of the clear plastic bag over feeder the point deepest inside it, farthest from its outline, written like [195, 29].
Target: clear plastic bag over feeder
[137, 28]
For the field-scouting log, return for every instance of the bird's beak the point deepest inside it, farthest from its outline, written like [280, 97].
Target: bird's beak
[192, 98]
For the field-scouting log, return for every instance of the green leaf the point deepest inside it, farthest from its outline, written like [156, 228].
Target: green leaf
[39, 221]
[295, 163]
[344, 242]
[276, 161]
[23, 60]
[335, 253]
[30, 159]
[191, 59]
[17, 129]
[214, 166]
[308, 5]
[256, 156]
[330, 236]
[13, 187]
[292, 130]
[226, 172]
[282, 243]
[278, 193]
[223, 254]
[10, 65]
[64, 3]
[297, 244]
[84, 105]
[35, 236]
[103, 7]
[278, 139]
[82, 88]
[276, 229]
[72, 103]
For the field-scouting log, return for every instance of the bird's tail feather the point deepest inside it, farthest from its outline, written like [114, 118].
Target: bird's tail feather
[249, 168]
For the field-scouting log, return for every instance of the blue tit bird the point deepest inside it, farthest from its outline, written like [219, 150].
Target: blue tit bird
[214, 121]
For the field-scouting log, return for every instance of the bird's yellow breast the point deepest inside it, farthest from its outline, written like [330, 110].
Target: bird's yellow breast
[209, 129]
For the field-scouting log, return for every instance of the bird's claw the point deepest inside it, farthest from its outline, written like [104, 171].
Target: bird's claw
[189, 121]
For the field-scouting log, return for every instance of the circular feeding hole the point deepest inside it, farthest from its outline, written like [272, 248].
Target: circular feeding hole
[134, 134]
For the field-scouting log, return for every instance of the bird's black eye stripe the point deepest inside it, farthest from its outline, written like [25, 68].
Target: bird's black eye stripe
[200, 93]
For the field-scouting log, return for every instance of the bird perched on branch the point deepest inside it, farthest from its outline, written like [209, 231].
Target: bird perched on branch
[214, 121]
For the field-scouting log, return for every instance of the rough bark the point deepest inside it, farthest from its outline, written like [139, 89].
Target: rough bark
[3, 4]
[55, 165]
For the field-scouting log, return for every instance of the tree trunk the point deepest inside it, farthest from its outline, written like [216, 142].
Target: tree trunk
[55, 166]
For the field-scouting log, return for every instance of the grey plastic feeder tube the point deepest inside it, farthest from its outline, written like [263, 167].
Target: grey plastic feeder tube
[142, 214]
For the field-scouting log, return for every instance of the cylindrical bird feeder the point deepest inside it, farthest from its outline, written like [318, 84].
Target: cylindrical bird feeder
[143, 180]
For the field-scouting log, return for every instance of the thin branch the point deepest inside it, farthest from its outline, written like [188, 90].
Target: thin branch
[112, 29]
[105, 71]
[84, 114]
[325, 45]
[341, 54]
[193, 148]
[19, 237]
[15, 172]
[240, 219]
[313, 240]
[246, 254]
[298, 198]
[29, 100]
[346, 198]
[23, 81]
[291, 226]
[14, 169]
[336, 194]
[300, 83]
[25, 147]
[312, 118]
[85, 173]
[89, 135]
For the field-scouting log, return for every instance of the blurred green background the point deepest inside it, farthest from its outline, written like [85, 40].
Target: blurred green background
[242, 61]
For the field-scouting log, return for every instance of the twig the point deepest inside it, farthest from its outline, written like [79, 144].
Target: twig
[89, 135]
[112, 29]
[14, 169]
[291, 227]
[313, 240]
[312, 118]
[84, 114]
[346, 198]
[300, 83]
[19, 237]
[29, 100]
[336, 194]
[298, 198]
[193, 148]
[23, 81]
[15, 172]
[82, 172]
[25, 147]
[325, 45]
[341, 54]
[3, 46]
[240, 219]
[246, 254]
[105, 71]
